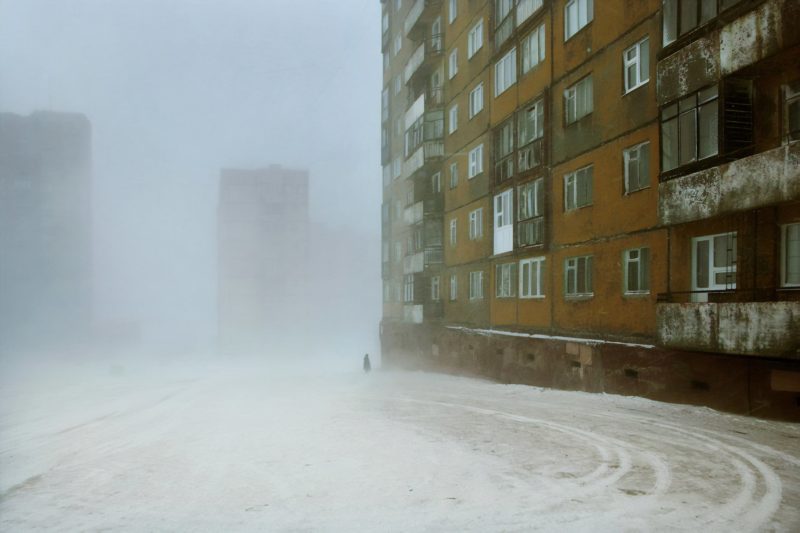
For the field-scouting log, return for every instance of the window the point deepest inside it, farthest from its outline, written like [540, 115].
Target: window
[531, 283]
[682, 16]
[476, 100]
[397, 167]
[453, 175]
[452, 11]
[385, 105]
[636, 65]
[452, 64]
[636, 271]
[790, 255]
[713, 263]
[475, 39]
[452, 123]
[530, 128]
[533, 49]
[475, 161]
[476, 224]
[385, 22]
[503, 150]
[398, 44]
[504, 280]
[453, 231]
[408, 288]
[453, 286]
[578, 276]
[434, 288]
[398, 84]
[637, 167]
[476, 285]
[436, 182]
[526, 8]
[578, 100]
[503, 222]
[530, 212]
[689, 129]
[578, 188]
[792, 110]
[398, 4]
[577, 14]
[505, 72]
[398, 251]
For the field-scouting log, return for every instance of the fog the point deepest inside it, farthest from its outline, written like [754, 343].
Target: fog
[175, 91]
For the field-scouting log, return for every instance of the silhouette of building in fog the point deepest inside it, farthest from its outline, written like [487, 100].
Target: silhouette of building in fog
[45, 229]
[262, 238]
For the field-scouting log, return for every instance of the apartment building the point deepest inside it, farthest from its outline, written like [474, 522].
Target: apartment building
[262, 247]
[620, 188]
[45, 230]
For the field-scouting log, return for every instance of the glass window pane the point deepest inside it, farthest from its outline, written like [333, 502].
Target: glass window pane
[670, 14]
[724, 251]
[688, 136]
[708, 129]
[688, 15]
[701, 260]
[669, 144]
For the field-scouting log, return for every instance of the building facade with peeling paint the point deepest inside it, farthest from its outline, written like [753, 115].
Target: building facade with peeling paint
[616, 190]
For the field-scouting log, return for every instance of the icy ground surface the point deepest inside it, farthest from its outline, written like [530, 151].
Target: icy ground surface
[213, 448]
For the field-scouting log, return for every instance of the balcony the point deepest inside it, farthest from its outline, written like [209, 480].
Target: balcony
[530, 232]
[419, 18]
[503, 30]
[417, 262]
[752, 182]
[770, 329]
[429, 151]
[504, 169]
[422, 61]
[385, 41]
[531, 155]
[413, 313]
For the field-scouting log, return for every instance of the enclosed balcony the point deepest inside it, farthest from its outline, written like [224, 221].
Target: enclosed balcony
[729, 324]
[760, 180]
[423, 60]
[420, 17]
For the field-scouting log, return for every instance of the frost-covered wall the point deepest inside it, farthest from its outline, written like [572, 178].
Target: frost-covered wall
[750, 328]
[763, 179]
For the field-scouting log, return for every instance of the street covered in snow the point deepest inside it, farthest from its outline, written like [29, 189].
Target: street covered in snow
[245, 447]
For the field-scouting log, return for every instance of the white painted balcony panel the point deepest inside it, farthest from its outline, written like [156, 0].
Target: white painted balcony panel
[416, 110]
[413, 264]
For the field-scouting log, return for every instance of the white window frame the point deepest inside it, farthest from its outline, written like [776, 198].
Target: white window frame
[476, 224]
[476, 100]
[641, 258]
[636, 59]
[505, 72]
[398, 84]
[638, 155]
[578, 12]
[408, 288]
[504, 222]
[572, 269]
[452, 64]
[581, 178]
[475, 39]
[398, 44]
[526, 9]
[452, 122]
[453, 175]
[435, 288]
[530, 199]
[476, 285]
[453, 231]
[475, 161]
[452, 11]
[531, 271]
[453, 287]
[533, 49]
[787, 254]
[712, 270]
[578, 100]
[505, 280]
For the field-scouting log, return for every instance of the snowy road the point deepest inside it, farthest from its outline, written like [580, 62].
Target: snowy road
[213, 449]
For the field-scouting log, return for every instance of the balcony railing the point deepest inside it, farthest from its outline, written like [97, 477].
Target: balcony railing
[421, 13]
[531, 232]
[434, 256]
[428, 151]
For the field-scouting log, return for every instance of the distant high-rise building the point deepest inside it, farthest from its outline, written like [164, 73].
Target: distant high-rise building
[45, 229]
[262, 256]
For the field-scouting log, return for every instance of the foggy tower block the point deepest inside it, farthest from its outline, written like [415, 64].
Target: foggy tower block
[45, 229]
[262, 258]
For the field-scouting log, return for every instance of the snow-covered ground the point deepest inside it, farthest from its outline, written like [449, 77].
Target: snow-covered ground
[212, 447]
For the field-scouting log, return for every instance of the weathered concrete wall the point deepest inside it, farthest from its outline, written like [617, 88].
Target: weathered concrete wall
[763, 387]
[760, 180]
[750, 328]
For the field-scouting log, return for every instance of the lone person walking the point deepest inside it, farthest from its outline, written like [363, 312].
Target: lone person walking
[367, 366]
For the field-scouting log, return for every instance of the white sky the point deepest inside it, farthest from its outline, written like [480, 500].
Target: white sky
[176, 89]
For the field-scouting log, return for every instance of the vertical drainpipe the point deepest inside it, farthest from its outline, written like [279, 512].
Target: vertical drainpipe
[549, 119]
